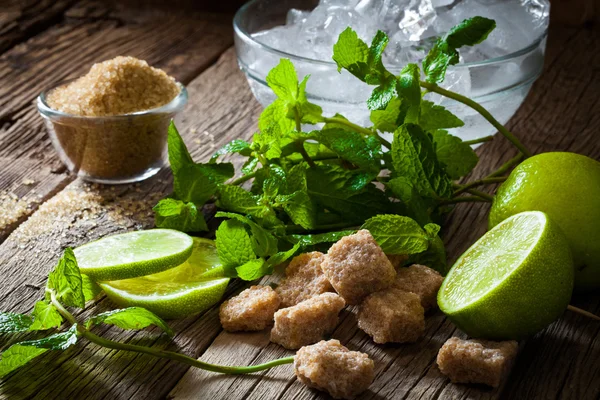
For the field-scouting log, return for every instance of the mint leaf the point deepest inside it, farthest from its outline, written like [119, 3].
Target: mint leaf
[470, 32]
[377, 74]
[299, 207]
[90, 289]
[397, 234]
[351, 54]
[66, 281]
[253, 269]
[458, 158]
[351, 146]
[392, 116]
[416, 207]
[20, 354]
[237, 199]
[274, 118]
[14, 323]
[434, 257]
[296, 178]
[444, 53]
[275, 181]
[344, 192]
[58, 341]
[267, 142]
[414, 157]
[311, 240]
[382, 94]
[235, 146]
[283, 256]
[45, 316]
[282, 79]
[175, 214]
[250, 165]
[331, 125]
[437, 117]
[309, 113]
[234, 245]
[193, 182]
[16, 356]
[130, 318]
[409, 91]
[264, 243]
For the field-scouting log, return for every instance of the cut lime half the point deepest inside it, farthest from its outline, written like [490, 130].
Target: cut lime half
[513, 282]
[187, 289]
[133, 254]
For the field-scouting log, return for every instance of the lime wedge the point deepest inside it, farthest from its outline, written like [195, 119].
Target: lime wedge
[133, 254]
[187, 289]
[513, 282]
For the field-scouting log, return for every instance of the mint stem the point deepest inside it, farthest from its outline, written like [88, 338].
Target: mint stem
[243, 179]
[506, 166]
[170, 355]
[480, 140]
[464, 199]
[583, 312]
[479, 193]
[300, 145]
[357, 128]
[463, 188]
[481, 110]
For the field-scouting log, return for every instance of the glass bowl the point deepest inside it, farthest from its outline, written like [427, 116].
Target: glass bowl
[500, 84]
[113, 149]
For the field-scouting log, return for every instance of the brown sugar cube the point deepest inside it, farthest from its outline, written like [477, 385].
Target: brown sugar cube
[251, 310]
[356, 267]
[422, 281]
[476, 361]
[392, 316]
[307, 322]
[330, 367]
[304, 279]
[397, 259]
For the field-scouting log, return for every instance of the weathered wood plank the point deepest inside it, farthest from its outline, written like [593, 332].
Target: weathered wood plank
[82, 212]
[548, 120]
[181, 43]
[20, 19]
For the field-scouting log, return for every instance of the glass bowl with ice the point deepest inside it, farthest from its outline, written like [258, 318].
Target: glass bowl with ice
[497, 73]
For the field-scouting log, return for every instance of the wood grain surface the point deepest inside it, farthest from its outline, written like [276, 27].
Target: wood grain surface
[561, 113]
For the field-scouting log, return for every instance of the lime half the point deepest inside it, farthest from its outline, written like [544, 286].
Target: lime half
[187, 289]
[513, 282]
[133, 254]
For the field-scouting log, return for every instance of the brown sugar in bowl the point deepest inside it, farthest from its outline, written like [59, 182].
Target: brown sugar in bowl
[121, 148]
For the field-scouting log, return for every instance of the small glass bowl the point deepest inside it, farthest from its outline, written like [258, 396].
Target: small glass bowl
[113, 149]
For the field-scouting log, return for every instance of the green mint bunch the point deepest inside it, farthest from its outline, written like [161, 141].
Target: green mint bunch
[299, 190]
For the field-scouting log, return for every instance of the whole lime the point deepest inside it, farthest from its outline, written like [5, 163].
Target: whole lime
[566, 186]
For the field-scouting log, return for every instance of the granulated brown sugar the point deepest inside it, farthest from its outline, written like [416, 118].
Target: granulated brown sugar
[109, 148]
[119, 86]
[76, 212]
[12, 209]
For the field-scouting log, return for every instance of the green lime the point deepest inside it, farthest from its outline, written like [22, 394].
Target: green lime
[566, 186]
[133, 254]
[513, 282]
[187, 289]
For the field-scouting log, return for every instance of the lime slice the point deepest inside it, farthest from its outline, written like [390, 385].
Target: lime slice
[513, 282]
[187, 289]
[133, 254]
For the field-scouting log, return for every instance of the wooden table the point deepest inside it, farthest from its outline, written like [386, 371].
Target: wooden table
[44, 209]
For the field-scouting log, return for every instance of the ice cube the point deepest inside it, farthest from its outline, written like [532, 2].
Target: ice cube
[412, 17]
[295, 16]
